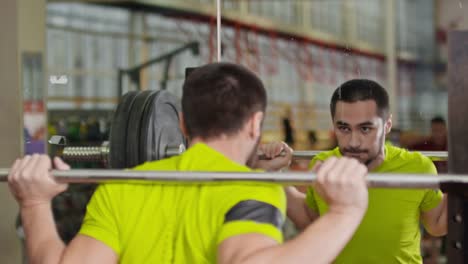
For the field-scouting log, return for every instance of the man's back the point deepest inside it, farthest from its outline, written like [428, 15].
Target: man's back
[175, 223]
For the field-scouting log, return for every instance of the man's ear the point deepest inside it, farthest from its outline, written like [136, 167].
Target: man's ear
[255, 125]
[388, 124]
[182, 126]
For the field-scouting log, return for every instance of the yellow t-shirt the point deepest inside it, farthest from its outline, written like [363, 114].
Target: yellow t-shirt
[390, 230]
[182, 223]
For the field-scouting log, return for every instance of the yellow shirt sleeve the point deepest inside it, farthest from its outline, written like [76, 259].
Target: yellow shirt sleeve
[310, 200]
[432, 198]
[100, 219]
[310, 197]
[273, 195]
[312, 163]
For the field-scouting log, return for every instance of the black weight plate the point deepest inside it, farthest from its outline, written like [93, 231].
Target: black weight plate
[118, 133]
[145, 131]
[160, 127]
[133, 128]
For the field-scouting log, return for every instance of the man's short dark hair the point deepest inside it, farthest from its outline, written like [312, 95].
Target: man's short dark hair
[438, 120]
[361, 90]
[219, 98]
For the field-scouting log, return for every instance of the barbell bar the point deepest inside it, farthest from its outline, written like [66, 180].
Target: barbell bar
[310, 154]
[375, 180]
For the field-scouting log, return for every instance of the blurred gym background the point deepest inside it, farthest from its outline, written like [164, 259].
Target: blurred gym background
[73, 60]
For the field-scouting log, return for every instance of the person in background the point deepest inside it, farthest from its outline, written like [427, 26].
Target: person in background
[312, 137]
[437, 141]
[288, 128]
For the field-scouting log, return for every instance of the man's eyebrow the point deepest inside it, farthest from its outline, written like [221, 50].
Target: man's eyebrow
[341, 123]
[368, 123]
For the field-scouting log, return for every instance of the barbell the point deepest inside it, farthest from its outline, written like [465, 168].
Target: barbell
[375, 180]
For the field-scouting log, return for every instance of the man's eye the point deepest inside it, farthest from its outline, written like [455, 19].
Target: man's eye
[366, 129]
[344, 129]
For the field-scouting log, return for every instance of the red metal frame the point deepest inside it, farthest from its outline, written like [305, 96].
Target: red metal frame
[272, 64]
[253, 58]
[304, 62]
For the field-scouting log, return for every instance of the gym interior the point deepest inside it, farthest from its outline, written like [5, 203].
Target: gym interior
[66, 68]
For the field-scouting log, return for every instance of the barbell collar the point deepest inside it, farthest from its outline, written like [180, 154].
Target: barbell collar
[101, 153]
[175, 150]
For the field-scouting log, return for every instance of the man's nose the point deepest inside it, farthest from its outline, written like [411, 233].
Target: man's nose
[355, 140]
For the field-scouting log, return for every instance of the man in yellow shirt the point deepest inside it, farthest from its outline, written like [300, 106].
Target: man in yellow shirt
[238, 222]
[390, 230]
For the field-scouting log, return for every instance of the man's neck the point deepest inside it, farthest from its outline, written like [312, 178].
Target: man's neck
[378, 160]
[231, 147]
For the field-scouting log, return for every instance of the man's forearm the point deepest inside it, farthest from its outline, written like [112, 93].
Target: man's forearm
[43, 243]
[297, 210]
[441, 222]
[435, 220]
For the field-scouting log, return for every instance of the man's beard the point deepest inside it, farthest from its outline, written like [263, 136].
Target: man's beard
[253, 157]
[350, 150]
